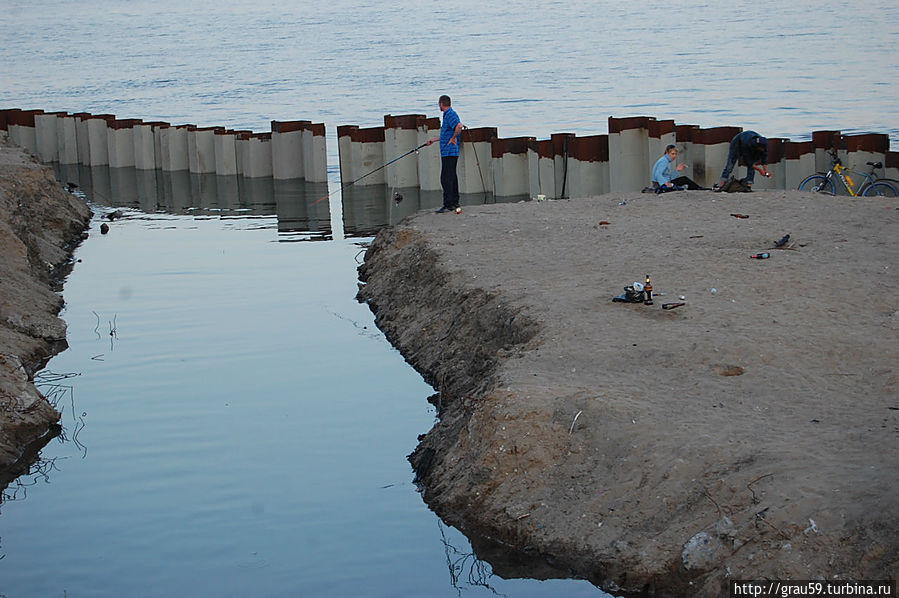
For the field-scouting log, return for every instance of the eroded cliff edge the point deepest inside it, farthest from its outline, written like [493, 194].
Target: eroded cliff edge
[40, 226]
[750, 434]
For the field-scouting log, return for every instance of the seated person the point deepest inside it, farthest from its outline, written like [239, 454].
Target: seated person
[662, 173]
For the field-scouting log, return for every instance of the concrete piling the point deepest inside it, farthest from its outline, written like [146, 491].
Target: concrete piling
[287, 149]
[429, 156]
[145, 152]
[400, 137]
[510, 166]
[68, 139]
[475, 167]
[98, 139]
[201, 149]
[361, 151]
[628, 152]
[710, 150]
[588, 166]
[82, 138]
[257, 156]
[177, 149]
[21, 129]
[225, 152]
[315, 153]
[798, 162]
[560, 149]
[120, 142]
[541, 169]
[46, 137]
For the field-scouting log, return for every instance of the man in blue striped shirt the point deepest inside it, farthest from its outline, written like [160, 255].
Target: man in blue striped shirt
[450, 140]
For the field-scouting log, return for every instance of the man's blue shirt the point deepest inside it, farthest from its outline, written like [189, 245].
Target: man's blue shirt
[450, 120]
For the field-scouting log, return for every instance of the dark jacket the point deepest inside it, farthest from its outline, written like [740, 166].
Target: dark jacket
[751, 147]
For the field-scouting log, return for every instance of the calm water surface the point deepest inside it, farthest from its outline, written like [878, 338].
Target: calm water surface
[244, 430]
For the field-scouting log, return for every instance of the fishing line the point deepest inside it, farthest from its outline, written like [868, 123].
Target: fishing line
[381, 167]
[478, 160]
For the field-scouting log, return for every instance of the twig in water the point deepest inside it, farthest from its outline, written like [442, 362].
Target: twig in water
[571, 429]
[113, 332]
[97, 327]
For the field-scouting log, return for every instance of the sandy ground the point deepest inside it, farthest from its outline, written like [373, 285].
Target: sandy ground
[752, 433]
[40, 225]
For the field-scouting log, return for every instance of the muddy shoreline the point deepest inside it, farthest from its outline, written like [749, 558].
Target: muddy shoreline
[752, 433]
[40, 226]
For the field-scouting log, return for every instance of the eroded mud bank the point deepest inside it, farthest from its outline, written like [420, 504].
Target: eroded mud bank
[749, 434]
[40, 226]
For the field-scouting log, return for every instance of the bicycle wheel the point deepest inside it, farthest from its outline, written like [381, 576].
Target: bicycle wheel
[817, 184]
[881, 189]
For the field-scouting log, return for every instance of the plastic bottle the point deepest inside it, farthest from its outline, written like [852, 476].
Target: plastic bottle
[760, 256]
[647, 292]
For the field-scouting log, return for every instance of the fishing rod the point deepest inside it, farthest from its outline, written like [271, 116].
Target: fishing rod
[381, 167]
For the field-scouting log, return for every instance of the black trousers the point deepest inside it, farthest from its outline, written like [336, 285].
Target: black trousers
[684, 181]
[449, 181]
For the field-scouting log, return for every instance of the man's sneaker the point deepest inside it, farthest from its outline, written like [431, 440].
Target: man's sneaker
[443, 210]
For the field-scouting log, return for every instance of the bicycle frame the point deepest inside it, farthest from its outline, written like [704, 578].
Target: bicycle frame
[842, 173]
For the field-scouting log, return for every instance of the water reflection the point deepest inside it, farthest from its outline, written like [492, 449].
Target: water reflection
[300, 207]
[32, 468]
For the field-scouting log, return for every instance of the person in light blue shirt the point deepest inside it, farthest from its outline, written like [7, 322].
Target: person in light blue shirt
[450, 140]
[663, 173]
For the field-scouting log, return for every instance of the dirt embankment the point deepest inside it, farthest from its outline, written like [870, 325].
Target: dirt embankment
[40, 225]
[752, 433]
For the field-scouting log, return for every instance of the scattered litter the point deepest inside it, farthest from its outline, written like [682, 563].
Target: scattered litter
[631, 294]
[813, 527]
[783, 241]
[571, 429]
[760, 256]
[622, 203]
[696, 236]
[682, 298]
[739, 215]
[541, 197]
[674, 305]
[713, 290]
[604, 222]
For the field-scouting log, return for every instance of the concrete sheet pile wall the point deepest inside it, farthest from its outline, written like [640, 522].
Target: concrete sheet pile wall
[293, 149]
[565, 165]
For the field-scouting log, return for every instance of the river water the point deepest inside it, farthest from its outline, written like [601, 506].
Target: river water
[234, 423]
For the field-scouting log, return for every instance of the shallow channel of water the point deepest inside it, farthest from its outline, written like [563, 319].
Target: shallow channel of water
[235, 426]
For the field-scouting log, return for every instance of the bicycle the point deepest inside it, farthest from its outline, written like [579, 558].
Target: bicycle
[870, 184]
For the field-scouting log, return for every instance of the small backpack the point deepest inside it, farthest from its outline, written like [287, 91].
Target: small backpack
[733, 185]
